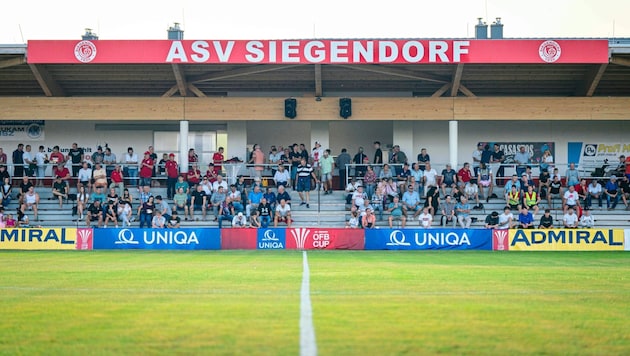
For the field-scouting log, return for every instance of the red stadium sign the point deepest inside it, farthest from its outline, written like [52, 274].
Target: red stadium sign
[325, 239]
[341, 51]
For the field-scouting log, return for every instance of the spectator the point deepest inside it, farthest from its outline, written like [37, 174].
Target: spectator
[463, 213]
[180, 199]
[6, 190]
[146, 212]
[226, 212]
[555, 189]
[111, 214]
[425, 218]
[570, 219]
[587, 220]
[18, 161]
[198, 201]
[283, 194]
[194, 175]
[377, 202]
[544, 181]
[378, 154]
[239, 220]
[612, 193]
[464, 175]
[526, 219]
[430, 177]
[368, 221]
[3, 157]
[98, 156]
[411, 201]
[254, 198]
[109, 161]
[84, 176]
[398, 158]
[211, 173]
[448, 212]
[174, 222]
[531, 200]
[41, 159]
[162, 206]
[258, 159]
[117, 179]
[594, 191]
[546, 161]
[572, 175]
[283, 214]
[254, 220]
[506, 219]
[514, 198]
[498, 156]
[125, 213]
[624, 190]
[582, 190]
[219, 183]
[353, 221]
[172, 174]
[30, 167]
[60, 191]
[131, 166]
[63, 172]
[492, 220]
[521, 158]
[423, 158]
[327, 164]
[282, 177]
[433, 200]
[359, 197]
[570, 199]
[476, 157]
[264, 211]
[304, 174]
[471, 191]
[217, 159]
[449, 179]
[216, 201]
[386, 172]
[275, 158]
[359, 160]
[237, 199]
[158, 221]
[417, 176]
[94, 213]
[192, 158]
[271, 198]
[181, 183]
[31, 201]
[546, 221]
[484, 177]
[397, 212]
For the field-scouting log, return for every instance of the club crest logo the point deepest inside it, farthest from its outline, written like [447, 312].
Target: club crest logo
[85, 51]
[549, 51]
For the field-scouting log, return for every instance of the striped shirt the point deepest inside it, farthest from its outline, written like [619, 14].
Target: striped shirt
[304, 171]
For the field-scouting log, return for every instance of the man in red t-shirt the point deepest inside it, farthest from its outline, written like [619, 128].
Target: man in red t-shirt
[194, 175]
[464, 175]
[61, 171]
[172, 172]
[146, 170]
[118, 180]
[217, 159]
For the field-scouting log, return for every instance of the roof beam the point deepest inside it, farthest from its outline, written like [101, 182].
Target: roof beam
[457, 78]
[374, 68]
[46, 81]
[622, 61]
[466, 91]
[261, 68]
[591, 80]
[12, 62]
[180, 78]
[174, 89]
[193, 89]
[318, 80]
[442, 90]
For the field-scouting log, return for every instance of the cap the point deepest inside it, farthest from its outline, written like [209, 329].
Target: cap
[239, 214]
[480, 144]
[147, 153]
[171, 155]
[99, 148]
[494, 213]
[257, 179]
[158, 197]
[317, 142]
[613, 177]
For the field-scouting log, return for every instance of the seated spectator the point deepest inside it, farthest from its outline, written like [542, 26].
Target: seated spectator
[425, 219]
[162, 206]
[378, 202]
[226, 211]
[582, 191]
[125, 213]
[570, 219]
[492, 220]
[359, 197]
[220, 183]
[63, 172]
[254, 220]
[198, 201]
[264, 212]
[624, 190]
[506, 219]
[30, 201]
[544, 181]
[418, 178]
[531, 200]
[194, 175]
[85, 177]
[514, 198]
[180, 199]
[351, 188]
[111, 214]
[449, 179]
[146, 211]
[174, 222]
[587, 220]
[239, 221]
[594, 191]
[411, 201]
[448, 212]
[283, 194]
[254, 198]
[94, 213]
[570, 199]
[237, 200]
[511, 183]
[546, 221]
[391, 189]
[60, 191]
[555, 190]
[612, 193]
[100, 176]
[526, 219]
[397, 212]
[464, 175]
[368, 221]
[385, 173]
[117, 179]
[471, 191]
[181, 183]
[462, 210]
[353, 221]
[283, 214]
[282, 177]
[206, 186]
[271, 198]
[158, 221]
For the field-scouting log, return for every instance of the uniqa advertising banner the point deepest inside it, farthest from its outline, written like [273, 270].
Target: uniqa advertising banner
[428, 239]
[559, 240]
[39, 239]
[157, 239]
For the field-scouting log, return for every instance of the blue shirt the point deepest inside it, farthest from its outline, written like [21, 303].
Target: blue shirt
[462, 207]
[411, 198]
[526, 219]
[611, 187]
[254, 197]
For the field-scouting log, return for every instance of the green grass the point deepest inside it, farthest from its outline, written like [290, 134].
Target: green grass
[364, 303]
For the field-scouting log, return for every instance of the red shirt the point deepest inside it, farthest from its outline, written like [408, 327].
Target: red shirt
[627, 161]
[193, 176]
[146, 172]
[217, 159]
[464, 174]
[172, 169]
[64, 173]
[212, 175]
[117, 177]
[56, 157]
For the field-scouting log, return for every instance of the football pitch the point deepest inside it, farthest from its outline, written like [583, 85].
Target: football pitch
[363, 302]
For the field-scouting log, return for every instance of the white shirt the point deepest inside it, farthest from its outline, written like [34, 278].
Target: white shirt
[26, 156]
[133, 158]
[41, 158]
[570, 219]
[587, 221]
[85, 174]
[207, 188]
[571, 198]
[283, 211]
[217, 184]
[281, 176]
[595, 189]
[430, 176]
[317, 154]
[504, 220]
[359, 198]
[425, 220]
[476, 158]
[239, 221]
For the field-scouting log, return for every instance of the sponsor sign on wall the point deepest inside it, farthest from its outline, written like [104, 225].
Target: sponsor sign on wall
[271, 239]
[307, 238]
[428, 239]
[157, 239]
[39, 239]
[535, 149]
[27, 130]
[590, 156]
[238, 239]
[566, 240]
[343, 51]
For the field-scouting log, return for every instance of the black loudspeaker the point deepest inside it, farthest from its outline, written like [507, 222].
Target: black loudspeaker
[290, 108]
[345, 107]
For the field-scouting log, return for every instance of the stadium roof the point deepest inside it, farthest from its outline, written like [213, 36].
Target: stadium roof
[18, 77]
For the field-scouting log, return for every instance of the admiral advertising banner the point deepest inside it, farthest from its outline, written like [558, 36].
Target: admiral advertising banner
[27, 130]
[307, 238]
[428, 239]
[342, 51]
[592, 156]
[157, 239]
[564, 240]
[40, 239]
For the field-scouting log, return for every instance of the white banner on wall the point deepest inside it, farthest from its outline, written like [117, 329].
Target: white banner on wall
[592, 157]
[23, 131]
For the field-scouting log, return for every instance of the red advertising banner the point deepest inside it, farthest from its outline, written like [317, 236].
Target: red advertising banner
[306, 238]
[501, 240]
[342, 51]
[85, 239]
[238, 239]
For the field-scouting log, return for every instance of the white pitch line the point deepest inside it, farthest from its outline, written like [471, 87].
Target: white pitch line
[308, 346]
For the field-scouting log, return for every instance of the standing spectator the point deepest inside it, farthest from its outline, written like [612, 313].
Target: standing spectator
[41, 159]
[423, 158]
[109, 161]
[75, 156]
[18, 161]
[430, 177]
[343, 160]
[30, 167]
[378, 154]
[258, 159]
[3, 157]
[612, 193]
[572, 175]
[521, 158]
[398, 158]
[131, 166]
[274, 158]
[172, 173]
[294, 157]
[316, 154]
[6, 189]
[476, 156]
[98, 156]
[218, 158]
[498, 156]
[57, 157]
[463, 213]
[192, 158]
[327, 164]
[358, 160]
[161, 165]
[146, 169]
[304, 174]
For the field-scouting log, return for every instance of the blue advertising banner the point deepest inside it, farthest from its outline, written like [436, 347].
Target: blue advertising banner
[157, 239]
[428, 239]
[271, 239]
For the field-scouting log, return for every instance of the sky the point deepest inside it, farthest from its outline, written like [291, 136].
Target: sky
[21, 21]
